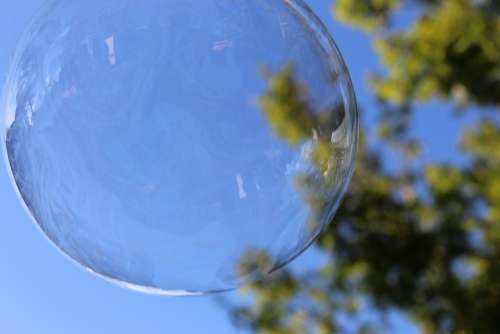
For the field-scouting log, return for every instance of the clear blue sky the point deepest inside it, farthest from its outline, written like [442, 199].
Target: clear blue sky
[43, 292]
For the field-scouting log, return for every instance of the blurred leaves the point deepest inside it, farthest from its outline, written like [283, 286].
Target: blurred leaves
[289, 113]
[425, 238]
[452, 51]
[368, 15]
[286, 107]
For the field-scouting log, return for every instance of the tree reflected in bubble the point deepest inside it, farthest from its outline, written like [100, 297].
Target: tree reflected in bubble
[320, 139]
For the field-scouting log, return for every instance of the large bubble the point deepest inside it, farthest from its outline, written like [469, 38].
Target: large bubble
[179, 146]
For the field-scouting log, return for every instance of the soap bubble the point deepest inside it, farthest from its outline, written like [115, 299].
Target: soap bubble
[179, 146]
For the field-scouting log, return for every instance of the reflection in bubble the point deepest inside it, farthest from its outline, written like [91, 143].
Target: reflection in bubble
[160, 143]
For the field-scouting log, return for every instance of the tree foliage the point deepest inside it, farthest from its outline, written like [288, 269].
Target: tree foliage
[424, 239]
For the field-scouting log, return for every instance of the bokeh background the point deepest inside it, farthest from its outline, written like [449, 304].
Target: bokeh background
[416, 245]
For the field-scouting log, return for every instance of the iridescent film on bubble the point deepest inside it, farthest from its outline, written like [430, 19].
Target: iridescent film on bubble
[179, 146]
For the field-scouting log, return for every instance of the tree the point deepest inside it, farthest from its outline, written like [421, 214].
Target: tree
[425, 239]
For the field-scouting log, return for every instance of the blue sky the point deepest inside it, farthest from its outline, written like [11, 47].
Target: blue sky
[41, 291]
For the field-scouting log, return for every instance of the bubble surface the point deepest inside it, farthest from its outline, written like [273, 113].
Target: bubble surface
[179, 146]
